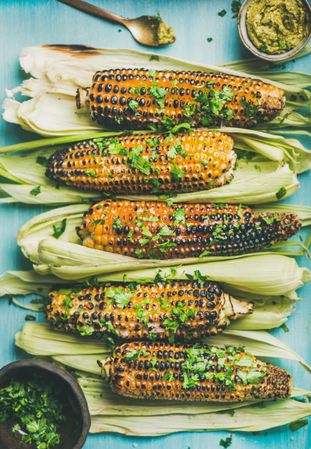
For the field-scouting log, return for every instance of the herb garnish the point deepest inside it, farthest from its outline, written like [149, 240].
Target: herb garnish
[36, 411]
[222, 13]
[35, 191]
[235, 8]
[59, 228]
[281, 192]
[177, 173]
[119, 295]
[226, 443]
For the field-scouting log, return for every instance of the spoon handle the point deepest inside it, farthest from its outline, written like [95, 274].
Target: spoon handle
[94, 10]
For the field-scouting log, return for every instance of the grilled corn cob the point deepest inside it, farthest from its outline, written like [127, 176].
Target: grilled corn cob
[137, 98]
[154, 229]
[146, 163]
[150, 370]
[164, 310]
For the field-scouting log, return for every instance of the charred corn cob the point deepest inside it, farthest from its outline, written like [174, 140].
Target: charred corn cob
[137, 98]
[154, 229]
[150, 370]
[146, 163]
[162, 310]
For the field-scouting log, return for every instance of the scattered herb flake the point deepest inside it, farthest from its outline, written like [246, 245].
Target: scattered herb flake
[59, 228]
[119, 295]
[154, 58]
[117, 225]
[177, 173]
[284, 328]
[235, 8]
[133, 105]
[280, 193]
[222, 13]
[226, 443]
[209, 39]
[35, 191]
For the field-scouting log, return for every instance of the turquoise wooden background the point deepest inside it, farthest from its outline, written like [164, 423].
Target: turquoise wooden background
[31, 22]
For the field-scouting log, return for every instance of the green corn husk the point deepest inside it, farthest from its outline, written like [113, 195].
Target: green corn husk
[38, 339]
[67, 258]
[274, 165]
[245, 419]
[105, 406]
[269, 312]
[57, 72]
[110, 403]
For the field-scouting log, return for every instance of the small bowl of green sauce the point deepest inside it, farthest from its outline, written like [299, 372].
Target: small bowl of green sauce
[41, 407]
[275, 30]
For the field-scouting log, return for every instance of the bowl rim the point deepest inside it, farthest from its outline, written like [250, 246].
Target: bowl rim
[69, 380]
[282, 57]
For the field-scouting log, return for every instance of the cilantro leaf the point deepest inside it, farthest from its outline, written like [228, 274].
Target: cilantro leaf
[119, 295]
[177, 173]
[35, 191]
[59, 228]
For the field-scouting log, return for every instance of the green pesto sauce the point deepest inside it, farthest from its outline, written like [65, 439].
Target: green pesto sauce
[277, 26]
[166, 34]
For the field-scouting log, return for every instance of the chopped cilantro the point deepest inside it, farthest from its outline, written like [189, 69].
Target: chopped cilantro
[222, 13]
[135, 90]
[133, 105]
[251, 110]
[86, 330]
[34, 408]
[119, 295]
[153, 142]
[168, 376]
[154, 58]
[136, 353]
[280, 193]
[166, 231]
[135, 160]
[226, 443]
[59, 228]
[114, 147]
[158, 93]
[284, 328]
[117, 225]
[177, 173]
[235, 8]
[179, 216]
[35, 191]
[90, 172]
[209, 39]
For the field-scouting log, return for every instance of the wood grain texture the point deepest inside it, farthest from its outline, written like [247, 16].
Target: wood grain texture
[34, 22]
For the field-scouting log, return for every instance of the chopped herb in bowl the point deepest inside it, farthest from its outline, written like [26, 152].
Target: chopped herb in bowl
[34, 410]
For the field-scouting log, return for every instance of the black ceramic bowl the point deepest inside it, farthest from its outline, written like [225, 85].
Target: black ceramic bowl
[76, 426]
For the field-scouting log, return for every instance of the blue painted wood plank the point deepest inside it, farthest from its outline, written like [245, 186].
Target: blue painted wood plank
[33, 22]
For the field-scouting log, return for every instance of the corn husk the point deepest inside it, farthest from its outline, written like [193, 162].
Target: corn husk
[38, 339]
[56, 72]
[105, 406]
[245, 419]
[112, 404]
[67, 258]
[269, 312]
[274, 166]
